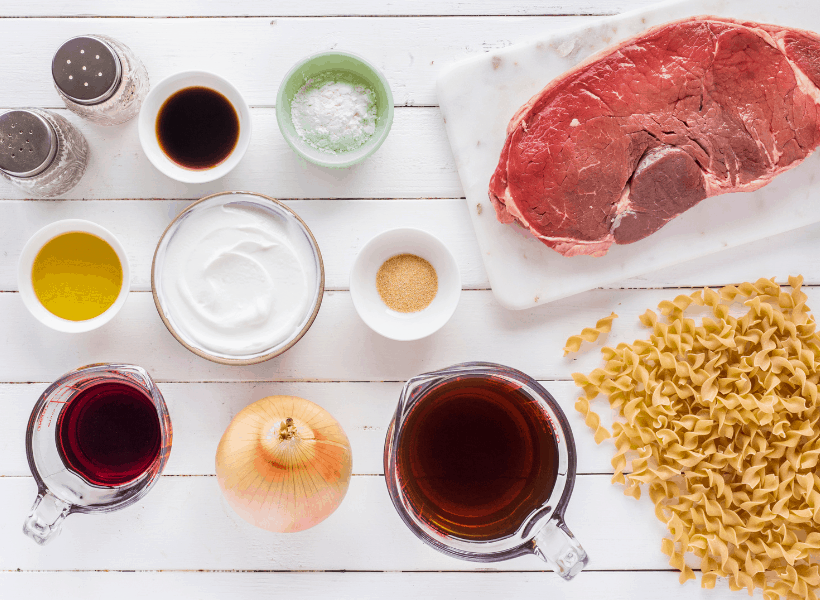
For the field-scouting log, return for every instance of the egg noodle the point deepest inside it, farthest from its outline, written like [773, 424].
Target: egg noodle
[589, 334]
[720, 421]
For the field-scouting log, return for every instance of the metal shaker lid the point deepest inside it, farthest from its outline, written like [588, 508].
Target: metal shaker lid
[28, 143]
[86, 70]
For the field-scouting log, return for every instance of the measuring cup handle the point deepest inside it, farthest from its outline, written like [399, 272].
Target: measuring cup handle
[556, 545]
[46, 518]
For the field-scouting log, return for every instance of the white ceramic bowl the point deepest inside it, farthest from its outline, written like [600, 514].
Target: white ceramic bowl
[372, 309]
[147, 125]
[26, 262]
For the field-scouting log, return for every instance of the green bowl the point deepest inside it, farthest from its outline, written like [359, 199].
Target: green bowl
[350, 67]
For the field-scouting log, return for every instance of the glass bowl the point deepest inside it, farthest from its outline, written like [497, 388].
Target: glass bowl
[318, 64]
[174, 323]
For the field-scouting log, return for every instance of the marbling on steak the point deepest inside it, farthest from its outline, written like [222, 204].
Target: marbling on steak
[612, 150]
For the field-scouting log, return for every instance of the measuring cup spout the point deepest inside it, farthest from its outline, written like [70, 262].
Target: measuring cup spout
[46, 518]
[556, 545]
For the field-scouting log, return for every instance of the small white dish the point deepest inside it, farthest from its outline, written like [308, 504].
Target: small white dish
[369, 304]
[147, 125]
[26, 287]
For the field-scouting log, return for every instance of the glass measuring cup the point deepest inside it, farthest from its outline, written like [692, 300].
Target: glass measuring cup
[61, 490]
[542, 531]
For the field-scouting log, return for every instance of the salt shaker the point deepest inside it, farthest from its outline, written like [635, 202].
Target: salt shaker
[100, 79]
[41, 152]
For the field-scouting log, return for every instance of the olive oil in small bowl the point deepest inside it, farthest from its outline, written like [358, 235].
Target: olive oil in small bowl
[73, 275]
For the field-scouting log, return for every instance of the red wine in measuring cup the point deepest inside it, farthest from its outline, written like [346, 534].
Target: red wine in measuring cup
[109, 434]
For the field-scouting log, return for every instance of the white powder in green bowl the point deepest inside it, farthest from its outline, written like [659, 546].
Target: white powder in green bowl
[334, 112]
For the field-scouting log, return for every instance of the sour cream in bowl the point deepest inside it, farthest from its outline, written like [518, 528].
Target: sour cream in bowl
[237, 278]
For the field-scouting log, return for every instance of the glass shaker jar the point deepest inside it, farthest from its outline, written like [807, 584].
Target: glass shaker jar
[41, 152]
[100, 79]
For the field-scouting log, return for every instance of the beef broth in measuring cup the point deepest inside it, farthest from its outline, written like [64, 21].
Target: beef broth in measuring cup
[480, 465]
[476, 457]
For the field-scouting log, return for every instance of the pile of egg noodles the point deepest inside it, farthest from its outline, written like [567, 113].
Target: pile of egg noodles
[719, 420]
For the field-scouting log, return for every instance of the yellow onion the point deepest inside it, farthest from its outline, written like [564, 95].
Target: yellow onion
[284, 464]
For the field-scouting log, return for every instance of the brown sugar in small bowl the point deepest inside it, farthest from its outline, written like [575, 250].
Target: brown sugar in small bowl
[258, 201]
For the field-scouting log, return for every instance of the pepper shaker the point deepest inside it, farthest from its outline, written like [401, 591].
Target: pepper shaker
[41, 152]
[100, 79]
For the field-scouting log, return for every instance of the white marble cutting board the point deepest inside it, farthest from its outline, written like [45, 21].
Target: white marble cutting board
[479, 96]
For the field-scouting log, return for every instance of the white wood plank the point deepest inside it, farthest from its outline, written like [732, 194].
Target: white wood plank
[184, 523]
[415, 161]
[256, 53]
[339, 346]
[200, 413]
[217, 8]
[342, 227]
[320, 586]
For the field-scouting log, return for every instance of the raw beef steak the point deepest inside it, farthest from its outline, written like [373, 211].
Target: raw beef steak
[612, 150]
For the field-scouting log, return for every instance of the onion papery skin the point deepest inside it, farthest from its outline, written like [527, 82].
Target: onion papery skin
[280, 475]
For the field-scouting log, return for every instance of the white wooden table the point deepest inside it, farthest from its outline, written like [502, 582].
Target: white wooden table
[182, 540]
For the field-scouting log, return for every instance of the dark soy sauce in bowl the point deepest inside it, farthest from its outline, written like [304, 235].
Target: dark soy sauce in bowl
[109, 434]
[477, 456]
[197, 128]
